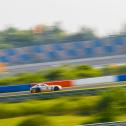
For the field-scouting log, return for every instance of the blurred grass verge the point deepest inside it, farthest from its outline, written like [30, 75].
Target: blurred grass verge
[106, 107]
[65, 120]
[65, 72]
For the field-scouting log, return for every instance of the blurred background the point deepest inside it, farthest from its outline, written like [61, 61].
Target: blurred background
[45, 41]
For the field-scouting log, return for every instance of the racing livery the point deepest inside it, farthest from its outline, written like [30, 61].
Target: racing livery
[44, 88]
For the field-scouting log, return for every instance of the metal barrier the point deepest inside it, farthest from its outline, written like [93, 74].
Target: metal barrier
[119, 123]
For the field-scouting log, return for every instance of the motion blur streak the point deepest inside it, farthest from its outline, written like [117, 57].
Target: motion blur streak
[97, 62]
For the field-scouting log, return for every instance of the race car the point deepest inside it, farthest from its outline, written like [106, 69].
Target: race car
[44, 88]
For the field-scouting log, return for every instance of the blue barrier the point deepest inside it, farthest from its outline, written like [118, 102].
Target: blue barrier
[26, 87]
[14, 88]
[121, 78]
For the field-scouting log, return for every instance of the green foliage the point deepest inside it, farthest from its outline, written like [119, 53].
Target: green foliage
[85, 107]
[66, 72]
[54, 74]
[60, 106]
[110, 105]
[106, 110]
[112, 70]
[84, 67]
[8, 81]
[30, 78]
[58, 109]
[36, 121]
[61, 73]
[105, 107]
[23, 79]
[121, 70]
[6, 46]
[19, 38]
[84, 71]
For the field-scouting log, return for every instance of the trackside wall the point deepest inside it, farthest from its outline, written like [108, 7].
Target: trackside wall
[65, 83]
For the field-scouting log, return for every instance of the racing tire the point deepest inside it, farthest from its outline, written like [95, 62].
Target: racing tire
[56, 88]
[38, 90]
[33, 91]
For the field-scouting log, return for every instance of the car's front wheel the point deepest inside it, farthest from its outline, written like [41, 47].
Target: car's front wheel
[56, 88]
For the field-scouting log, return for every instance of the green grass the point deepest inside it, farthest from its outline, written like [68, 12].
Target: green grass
[59, 106]
[15, 113]
[11, 121]
[65, 120]
[121, 117]
[68, 111]
[68, 120]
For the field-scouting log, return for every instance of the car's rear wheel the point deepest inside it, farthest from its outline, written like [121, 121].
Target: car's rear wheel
[38, 90]
[56, 88]
[33, 91]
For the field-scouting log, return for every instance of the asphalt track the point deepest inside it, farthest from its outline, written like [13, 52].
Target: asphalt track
[101, 85]
[96, 62]
[119, 123]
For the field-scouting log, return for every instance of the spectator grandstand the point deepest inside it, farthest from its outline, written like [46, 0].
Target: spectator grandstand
[63, 51]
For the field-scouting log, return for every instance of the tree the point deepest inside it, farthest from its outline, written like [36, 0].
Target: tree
[10, 30]
[83, 34]
[87, 33]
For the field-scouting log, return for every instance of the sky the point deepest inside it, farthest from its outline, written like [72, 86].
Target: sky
[104, 16]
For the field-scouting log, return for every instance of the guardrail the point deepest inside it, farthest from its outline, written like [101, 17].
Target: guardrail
[119, 123]
[66, 83]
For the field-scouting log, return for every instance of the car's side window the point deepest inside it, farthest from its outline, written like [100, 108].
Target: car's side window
[44, 87]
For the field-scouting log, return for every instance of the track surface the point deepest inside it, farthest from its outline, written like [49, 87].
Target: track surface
[71, 88]
[97, 62]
